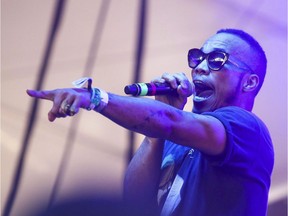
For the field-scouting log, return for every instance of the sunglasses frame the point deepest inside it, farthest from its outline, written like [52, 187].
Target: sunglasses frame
[206, 56]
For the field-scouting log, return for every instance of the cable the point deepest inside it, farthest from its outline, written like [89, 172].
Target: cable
[70, 140]
[59, 7]
[138, 65]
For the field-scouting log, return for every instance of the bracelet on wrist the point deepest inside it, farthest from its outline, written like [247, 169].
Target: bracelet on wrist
[98, 98]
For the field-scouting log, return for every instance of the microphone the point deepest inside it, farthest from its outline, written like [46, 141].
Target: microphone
[149, 89]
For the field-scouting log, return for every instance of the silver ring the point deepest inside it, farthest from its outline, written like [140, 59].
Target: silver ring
[71, 112]
[67, 108]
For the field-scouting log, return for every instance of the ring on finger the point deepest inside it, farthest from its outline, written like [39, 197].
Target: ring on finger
[67, 108]
[71, 112]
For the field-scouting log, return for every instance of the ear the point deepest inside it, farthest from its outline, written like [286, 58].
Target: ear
[251, 83]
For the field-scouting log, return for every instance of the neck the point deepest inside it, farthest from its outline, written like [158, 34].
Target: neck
[247, 104]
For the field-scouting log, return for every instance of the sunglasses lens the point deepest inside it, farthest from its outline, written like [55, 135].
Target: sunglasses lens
[195, 57]
[216, 60]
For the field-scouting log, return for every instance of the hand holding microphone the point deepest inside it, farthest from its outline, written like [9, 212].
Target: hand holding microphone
[149, 89]
[167, 84]
[172, 89]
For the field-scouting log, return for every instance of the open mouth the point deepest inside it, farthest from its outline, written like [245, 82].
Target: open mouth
[202, 91]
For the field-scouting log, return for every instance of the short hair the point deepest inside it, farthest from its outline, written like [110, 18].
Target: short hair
[261, 65]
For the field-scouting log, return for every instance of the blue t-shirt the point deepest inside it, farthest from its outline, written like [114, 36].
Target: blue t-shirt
[235, 183]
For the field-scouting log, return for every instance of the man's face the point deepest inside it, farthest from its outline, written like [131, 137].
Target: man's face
[215, 89]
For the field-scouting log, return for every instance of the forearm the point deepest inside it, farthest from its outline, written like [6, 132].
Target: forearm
[142, 115]
[143, 173]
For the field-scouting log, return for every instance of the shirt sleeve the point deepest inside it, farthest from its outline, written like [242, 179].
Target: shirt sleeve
[242, 132]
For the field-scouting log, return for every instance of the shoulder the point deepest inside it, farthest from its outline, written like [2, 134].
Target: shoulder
[240, 121]
[236, 116]
[246, 133]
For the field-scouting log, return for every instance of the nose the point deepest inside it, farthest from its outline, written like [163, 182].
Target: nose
[202, 68]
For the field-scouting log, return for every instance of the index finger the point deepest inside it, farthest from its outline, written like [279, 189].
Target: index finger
[47, 95]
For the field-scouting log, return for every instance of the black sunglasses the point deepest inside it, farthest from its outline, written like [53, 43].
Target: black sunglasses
[215, 59]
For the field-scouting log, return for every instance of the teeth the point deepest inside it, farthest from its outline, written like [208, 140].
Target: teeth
[198, 98]
[197, 81]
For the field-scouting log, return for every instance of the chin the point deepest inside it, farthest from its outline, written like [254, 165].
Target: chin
[203, 104]
[198, 110]
[203, 107]
[208, 104]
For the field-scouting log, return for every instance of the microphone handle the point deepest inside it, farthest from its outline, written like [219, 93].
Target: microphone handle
[149, 89]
